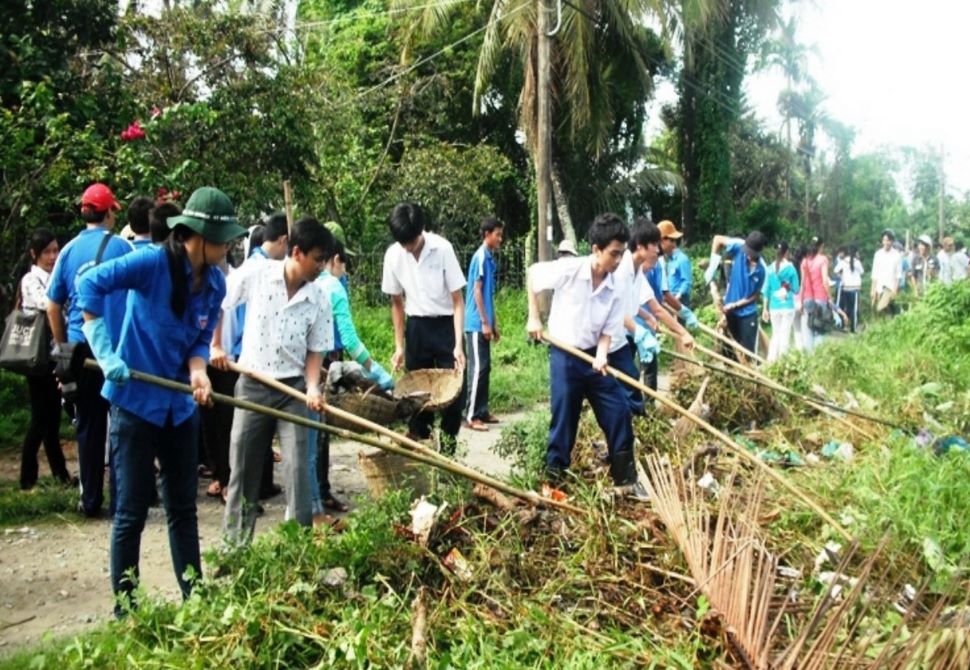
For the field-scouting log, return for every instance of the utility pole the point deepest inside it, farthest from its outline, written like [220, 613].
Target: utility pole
[543, 157]
[942, 196]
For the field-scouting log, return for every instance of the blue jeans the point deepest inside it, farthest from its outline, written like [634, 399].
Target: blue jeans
[135, 444]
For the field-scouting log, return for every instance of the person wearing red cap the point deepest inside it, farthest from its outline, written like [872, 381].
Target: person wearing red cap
[92, 245]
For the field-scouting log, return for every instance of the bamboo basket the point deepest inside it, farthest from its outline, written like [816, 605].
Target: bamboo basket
[371, 406]
[440, 386]
[384, 471]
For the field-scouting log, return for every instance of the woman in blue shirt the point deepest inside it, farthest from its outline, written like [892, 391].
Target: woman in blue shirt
[175, 296]
[781, 286]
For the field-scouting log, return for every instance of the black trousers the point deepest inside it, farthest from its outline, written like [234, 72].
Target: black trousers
[478, 354]
[744, 329]
[92, 434]
[217, 424]
[429, 342]
[44, 428]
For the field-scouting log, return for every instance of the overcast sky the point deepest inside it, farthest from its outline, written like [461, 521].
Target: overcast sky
[897, 73]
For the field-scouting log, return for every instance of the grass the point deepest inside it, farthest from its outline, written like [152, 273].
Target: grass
[16, 411]
[48, 498]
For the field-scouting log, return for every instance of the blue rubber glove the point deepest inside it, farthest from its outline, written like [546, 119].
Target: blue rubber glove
[838, 319]
[379, 376]
[711, 270]
[689, 318]
[647, 345]
[96, 333]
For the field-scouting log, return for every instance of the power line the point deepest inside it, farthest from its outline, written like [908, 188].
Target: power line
[353, 16]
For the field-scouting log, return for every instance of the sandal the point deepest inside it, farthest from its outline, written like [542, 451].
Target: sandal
[491, 418]
[334, 505]
[214, 490]
[476, 424]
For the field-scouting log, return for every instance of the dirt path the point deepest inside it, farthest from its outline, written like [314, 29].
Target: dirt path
[54, 574]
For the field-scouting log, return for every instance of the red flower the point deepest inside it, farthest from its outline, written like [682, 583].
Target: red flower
[164, 195]
[133, 132]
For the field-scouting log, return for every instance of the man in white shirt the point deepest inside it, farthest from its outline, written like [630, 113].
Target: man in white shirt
[424, 280]
[947, 261]
[587, 312]
[961, 262]
[886, 269]
[289, 325]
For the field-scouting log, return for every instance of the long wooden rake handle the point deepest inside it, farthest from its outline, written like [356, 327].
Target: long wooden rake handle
[439, 461]
[412, 445]
[721, 437]
[722, 338]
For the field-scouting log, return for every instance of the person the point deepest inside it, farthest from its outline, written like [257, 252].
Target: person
[423, 278]
[330, 280]
[175, 293]
[158, 220]
[960, 266]
[945, 261]
[139, 221]
[481, 325]
[850, 271]
[92, 245]
[45, 397]
[648, 290]
[289, 325]
[585, 310]
[272, 244]
[923, 265]
[744, 285]
[566, 249]
[886, 274]
[781, 287]
[814, 294]
[676, 264]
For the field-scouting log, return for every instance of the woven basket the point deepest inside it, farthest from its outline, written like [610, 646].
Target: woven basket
[441, 387]
[384, 470]
[371, 406]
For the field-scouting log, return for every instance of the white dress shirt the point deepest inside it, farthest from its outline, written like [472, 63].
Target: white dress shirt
[886, 269]
[623, 279]
[579, 314]
[959, 265]
[33, 289]
[426, 283]
[279, 331]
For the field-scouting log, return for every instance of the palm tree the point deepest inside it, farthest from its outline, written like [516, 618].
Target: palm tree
[584, 51]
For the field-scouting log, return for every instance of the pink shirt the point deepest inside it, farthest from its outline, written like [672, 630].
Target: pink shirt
[813, 284]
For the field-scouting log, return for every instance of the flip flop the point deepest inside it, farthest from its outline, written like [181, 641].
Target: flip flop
[334, 505]
[475, 424]
[491, 418]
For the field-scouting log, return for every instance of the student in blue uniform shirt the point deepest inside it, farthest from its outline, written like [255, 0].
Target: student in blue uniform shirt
[586, 309]
[481, 326]
[177, 290]
[92, 245]
[744, 285]
[677, 271]
[139, 221]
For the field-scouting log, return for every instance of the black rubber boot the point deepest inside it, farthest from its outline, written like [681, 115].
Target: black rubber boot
[623, 469]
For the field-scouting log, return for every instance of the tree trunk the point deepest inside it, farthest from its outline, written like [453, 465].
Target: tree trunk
[562, 204]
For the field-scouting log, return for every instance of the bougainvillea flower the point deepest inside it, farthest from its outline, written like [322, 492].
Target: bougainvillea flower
[133, 132]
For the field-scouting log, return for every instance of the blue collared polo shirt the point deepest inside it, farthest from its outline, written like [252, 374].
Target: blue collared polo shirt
[153, 338]
[679, 278]
[744, 282]
[482, 267]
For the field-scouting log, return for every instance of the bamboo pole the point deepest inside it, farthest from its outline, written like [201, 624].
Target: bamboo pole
[439, 462]
[782, 389]
[412, 445]
[288, 206]
[771, 383]
[720, 436]
[723, 338]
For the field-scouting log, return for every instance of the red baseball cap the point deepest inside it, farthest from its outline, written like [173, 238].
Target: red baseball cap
[99, 198]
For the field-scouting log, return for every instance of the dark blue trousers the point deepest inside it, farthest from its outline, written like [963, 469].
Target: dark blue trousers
[92, 436]
[478, 356]
[744, 329]
[571, 380]
[622, 360]
[429, 342]
[135, 444]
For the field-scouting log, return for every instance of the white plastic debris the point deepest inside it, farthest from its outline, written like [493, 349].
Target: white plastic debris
[423, 515]
[829, 554]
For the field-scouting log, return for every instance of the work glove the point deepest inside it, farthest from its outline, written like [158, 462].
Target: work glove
[689, 318]
[647, 345]
[379, 376]
[96, 333]
[837, 318]
[711, 270]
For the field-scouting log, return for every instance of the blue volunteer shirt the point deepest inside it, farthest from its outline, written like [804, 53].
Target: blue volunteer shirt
[744, 282]
[75, 258]
[679, 277]
[140, 242]
[482, 268]
[153, 339]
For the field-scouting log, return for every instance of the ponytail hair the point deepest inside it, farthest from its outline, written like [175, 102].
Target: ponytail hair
[853, 254]
[175, 252]
[814, 246]
[781, 250]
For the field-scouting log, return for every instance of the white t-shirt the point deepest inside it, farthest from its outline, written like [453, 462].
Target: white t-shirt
[886, 269]
[624, 279]
[579, 314]
[851, 272]
[426, 283]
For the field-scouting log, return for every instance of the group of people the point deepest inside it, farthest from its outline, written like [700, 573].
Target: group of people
[168, 303]
[806, 294]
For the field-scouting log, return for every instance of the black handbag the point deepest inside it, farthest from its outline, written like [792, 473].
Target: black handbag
[26, 343]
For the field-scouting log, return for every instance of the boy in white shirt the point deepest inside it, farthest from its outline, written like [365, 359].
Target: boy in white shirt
[586, 310]
[424, 280]
[886, 272]
[289, 324]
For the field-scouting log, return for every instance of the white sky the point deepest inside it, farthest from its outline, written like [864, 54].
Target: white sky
[894, 71]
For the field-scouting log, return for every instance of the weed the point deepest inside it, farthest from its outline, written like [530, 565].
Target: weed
[48, 498]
